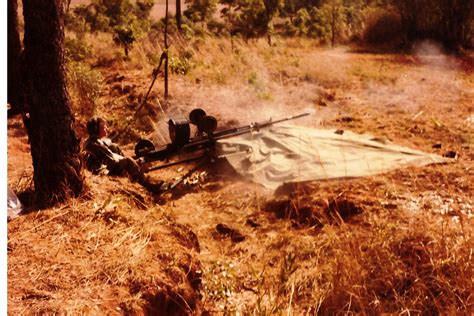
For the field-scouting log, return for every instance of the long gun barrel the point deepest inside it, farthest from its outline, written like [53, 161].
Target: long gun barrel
[179, 134]
[254, 127]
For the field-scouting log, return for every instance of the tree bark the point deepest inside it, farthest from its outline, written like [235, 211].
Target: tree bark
[55, 147]
[14, 88]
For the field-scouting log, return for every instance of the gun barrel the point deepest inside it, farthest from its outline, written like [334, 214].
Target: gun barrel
[289, 118]
[207, 142]
[255, 126]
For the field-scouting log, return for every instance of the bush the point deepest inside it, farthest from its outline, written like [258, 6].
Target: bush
[179, 65]
[126, 20]
[76, 50]
[171, 26]
[89, 14]
[216, 27]
[382, 27]
[288, 29]
[187, 31]
[77, 24]
[124, 36]
[85, 86]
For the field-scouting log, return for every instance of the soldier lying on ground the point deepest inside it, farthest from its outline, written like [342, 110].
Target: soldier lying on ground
[101, 151]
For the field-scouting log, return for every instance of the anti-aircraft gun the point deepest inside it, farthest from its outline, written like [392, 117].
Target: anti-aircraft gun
[200, 147]
[204, 140]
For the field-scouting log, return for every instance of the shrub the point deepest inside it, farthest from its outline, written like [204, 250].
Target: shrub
[301, 21]
[319, 26]
[126, 20]
[216, 27]
[288, 29]
[85, 86]
[77, 24]
[382, 27]
[200, 11]
[186, 31]
[76, 50]
[124, 36]
[179, 65]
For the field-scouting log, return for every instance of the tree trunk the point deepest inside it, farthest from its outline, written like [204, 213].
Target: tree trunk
[333, 24]
[55, 148]
[178, 14]
[167, 54]
[14, 88]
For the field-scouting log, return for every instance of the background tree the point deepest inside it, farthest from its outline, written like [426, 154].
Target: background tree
[456, 22]
[124, 36]
[14, 88]
[127, 21]
[253, 17]
[252, 20]
[54, 145]
[334, 11]
[178, 14]
[200, 10]
[227, 10]
[446, 21]
[409, 13]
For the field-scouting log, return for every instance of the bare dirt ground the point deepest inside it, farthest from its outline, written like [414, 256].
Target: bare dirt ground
[377, 244]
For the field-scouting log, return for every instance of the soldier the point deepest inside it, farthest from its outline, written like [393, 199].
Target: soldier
[101, 151]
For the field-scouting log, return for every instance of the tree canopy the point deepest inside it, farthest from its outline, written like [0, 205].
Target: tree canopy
[447, 21]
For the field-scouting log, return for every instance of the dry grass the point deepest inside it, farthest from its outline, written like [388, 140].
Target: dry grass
[112, 254]
[395, 243]
[378, 262]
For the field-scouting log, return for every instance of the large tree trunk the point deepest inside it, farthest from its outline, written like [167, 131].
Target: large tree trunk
[14, 89]
[55, 148]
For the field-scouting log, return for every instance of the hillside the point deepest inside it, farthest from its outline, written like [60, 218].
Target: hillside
[391, 243]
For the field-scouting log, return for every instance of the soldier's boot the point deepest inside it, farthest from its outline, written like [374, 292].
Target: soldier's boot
[130, 166]
[151, 186]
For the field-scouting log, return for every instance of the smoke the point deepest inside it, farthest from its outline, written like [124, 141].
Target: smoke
[413, 83]
[427, 48]
[328, 84]
[431, 53]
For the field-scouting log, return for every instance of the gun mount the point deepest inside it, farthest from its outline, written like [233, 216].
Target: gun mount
[204, 141]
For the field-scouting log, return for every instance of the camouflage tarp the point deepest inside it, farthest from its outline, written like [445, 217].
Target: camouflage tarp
[286, 154]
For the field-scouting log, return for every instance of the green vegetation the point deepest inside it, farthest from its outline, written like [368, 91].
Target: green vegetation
[127, 21]
[379, 22]
[341, 21]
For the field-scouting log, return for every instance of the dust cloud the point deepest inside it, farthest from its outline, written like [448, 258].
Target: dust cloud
[330, 83]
